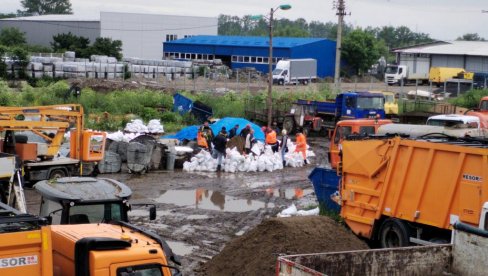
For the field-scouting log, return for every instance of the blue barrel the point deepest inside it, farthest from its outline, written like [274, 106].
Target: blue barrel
[325, 183]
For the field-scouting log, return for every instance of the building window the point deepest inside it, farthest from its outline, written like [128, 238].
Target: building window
[210, 57]
[234, 58]
[240, 58]
[253, 59]
[193, 56]
[171, 37]
[259, 60]
[265, 60]
[188, 56]
[246, 59]
[186, 36]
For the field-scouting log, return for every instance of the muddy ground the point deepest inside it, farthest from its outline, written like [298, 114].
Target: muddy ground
[198, 213]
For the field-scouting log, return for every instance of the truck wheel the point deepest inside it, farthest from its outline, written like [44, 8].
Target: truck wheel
[281, 82]
[289, 125]
[305, 82]
[57, 173]
[394, 233]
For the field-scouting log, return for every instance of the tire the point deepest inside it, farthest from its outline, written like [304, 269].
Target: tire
[394, 233]
[281, 82]
[289, 125]
[57, 173]
[305, 82]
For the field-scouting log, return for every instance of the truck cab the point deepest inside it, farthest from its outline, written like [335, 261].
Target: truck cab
[356, 105]
[454, 121]
[359, 127]
[481, 112]
[391, 104]
[394, 74]
[78, 200]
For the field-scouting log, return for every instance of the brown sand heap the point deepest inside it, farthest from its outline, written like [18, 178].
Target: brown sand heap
[255, 253]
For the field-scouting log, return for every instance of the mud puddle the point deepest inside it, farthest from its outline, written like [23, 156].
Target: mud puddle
[181, 248]
[210, 200]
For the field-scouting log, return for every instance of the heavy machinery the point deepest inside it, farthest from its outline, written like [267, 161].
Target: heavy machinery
[317, 115]
[30, 247]
[35, 134]
[398, 191]
[75, 200]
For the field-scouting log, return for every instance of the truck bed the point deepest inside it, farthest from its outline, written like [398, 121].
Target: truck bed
[322, 106]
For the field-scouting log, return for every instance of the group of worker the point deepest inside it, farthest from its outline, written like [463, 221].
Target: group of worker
[206, 138]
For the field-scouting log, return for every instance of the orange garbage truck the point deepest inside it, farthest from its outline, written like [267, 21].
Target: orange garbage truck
[398, 191]
[28, 246]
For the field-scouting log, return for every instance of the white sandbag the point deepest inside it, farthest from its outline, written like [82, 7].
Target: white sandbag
[312, 212]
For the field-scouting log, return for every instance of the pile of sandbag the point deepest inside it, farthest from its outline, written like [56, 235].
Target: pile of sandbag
[262, 160]
[138, 126]
[120, 136]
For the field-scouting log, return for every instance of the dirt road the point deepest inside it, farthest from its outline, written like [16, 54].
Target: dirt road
[198, 213]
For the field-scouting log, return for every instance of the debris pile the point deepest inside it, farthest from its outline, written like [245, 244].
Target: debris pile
[255, 252]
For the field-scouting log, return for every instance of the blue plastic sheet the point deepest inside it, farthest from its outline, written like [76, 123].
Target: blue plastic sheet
[190, 133]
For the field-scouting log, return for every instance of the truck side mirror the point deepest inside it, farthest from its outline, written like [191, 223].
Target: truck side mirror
[152, 212]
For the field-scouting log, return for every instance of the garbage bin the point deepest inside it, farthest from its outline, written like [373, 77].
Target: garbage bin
[170, 160]
[325, 183]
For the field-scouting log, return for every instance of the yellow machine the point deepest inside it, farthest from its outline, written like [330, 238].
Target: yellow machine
[397, 191]
[438, 75]
[47, 126]
[29, 247]
[391, 104]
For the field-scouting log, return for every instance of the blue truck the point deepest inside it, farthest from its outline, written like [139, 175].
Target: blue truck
[183, 105]
[319, 115]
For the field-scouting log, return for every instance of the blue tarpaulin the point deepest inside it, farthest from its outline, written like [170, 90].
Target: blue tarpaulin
[190, 133]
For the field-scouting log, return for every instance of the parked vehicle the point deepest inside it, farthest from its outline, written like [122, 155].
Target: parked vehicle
[406, 73]
[480, 112]
[400, 191]
[391, 104]
[75, 200]
[454, 120]
[35, 134]
[316, 115]
[480, 80]
[30, 247]
[465, 256]
[295, 71]
[439, 75]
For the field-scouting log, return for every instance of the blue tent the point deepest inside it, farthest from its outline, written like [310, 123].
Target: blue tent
[190, 133]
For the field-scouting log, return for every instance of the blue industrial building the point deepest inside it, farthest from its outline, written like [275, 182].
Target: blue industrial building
[245, 51]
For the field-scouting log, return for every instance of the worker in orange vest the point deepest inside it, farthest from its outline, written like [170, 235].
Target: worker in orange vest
[271, 139]
[301, 145]
[202, 141]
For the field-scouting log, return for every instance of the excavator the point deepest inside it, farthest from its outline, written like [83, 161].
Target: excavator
[35, 136]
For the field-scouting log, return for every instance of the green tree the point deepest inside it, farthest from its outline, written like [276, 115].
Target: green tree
[107, 46]
[3, 65]
[41, 7]
[7, 15]
[10, 36]
[360, 49]
[471, 37]
[71, 42]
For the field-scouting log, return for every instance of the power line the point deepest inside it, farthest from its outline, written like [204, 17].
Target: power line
[110, 29]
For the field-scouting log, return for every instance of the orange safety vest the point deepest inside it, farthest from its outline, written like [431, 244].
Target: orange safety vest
[201, 141]
[301, 144]
[271, 138]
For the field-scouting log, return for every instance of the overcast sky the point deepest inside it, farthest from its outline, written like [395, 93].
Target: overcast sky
[442, 19]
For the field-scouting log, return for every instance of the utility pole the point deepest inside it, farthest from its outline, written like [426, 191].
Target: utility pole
[340, 6]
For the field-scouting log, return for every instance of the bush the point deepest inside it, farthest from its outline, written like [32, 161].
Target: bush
[470, 99]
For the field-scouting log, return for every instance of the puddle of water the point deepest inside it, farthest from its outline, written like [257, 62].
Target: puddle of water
[296, 193]
[181, 248]
[210, 200]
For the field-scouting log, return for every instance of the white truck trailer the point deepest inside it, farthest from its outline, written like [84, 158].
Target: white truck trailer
[295, 71]
[410, 68]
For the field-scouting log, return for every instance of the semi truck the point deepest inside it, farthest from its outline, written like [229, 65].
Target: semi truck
[316, 115]
[397, 191]
[28, 246]
[404, 74]
[295, 71]
[466, 255]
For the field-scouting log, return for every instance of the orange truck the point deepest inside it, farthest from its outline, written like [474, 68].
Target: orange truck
[400, 191]
[481, 112]
[30, 247]
[345, 128]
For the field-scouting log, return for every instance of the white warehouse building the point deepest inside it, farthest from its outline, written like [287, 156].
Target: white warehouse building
[470, 55]
[142, 35]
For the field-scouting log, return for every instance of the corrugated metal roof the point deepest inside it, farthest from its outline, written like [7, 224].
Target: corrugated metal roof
[469, 48]
[56, 17]
[252, 41]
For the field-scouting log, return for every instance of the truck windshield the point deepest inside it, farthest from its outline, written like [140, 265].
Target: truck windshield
[391, 70]
[143, 270]
[389, 98]
[95, 213]
[484, 105]
[370, 102]
[277, 71]
[451, 123]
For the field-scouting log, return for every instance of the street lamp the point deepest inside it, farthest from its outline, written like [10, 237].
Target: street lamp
[270, 58]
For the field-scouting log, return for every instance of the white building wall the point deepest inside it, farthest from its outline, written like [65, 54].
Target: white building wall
[452, 61]
[142, 35]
